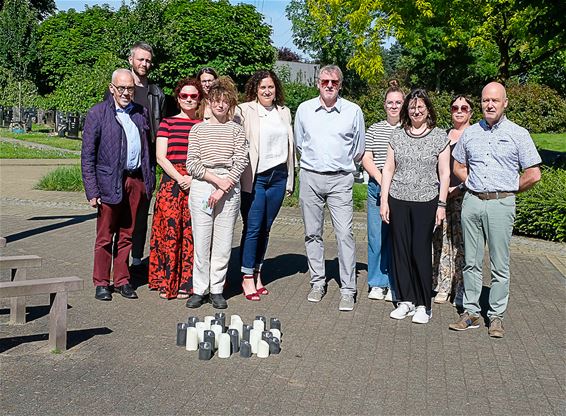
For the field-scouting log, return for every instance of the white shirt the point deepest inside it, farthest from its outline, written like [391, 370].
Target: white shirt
[273, 143]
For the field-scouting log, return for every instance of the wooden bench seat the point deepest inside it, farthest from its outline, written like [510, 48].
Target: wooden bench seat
[18, 266]
[60, 286]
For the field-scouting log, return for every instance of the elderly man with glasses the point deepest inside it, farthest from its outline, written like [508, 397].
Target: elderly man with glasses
[117, 176]
[330, 137]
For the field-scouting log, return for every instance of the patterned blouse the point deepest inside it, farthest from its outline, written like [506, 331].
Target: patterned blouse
[416, 161]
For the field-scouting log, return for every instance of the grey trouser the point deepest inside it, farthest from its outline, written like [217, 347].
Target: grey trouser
[336, 191]
[490, 220]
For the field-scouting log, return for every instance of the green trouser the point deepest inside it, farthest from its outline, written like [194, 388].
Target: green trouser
[490, 220]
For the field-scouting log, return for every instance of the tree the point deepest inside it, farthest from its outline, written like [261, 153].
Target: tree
[71, 39]
[514, 28]
[326, 43]
[17, 42]
[233, 39]
[42, 8]
[286, 54]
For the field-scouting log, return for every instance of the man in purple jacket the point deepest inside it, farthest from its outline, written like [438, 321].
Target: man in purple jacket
[117, 176]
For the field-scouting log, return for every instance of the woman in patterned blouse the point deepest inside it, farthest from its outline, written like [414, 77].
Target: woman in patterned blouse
[412, 202]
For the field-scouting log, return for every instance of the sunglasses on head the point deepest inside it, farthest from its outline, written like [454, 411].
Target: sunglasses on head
[464, 108]
[184, 96]
[327, 82]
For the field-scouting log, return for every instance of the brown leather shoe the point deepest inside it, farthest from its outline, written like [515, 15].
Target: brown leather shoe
[496, 328]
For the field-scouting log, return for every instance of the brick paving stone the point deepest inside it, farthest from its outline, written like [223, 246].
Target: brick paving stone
[123, 360]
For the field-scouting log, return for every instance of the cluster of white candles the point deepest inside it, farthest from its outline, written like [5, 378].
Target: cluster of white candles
[211, 334]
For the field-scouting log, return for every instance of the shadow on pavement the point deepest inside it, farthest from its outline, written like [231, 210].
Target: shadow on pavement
[74, 338]
[75, 219]
[33, 312]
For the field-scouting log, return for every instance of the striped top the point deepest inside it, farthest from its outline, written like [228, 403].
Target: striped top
[217, 146]
[377, 139]
[176, 131]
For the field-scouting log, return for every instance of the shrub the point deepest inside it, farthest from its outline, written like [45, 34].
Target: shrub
[64, 178]
[295, 94]
[538, 108]
[541, 211]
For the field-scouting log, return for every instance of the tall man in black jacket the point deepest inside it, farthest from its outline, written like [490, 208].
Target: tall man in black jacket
[151, 97]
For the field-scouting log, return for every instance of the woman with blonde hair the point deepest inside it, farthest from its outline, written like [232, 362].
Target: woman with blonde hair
[379, 241]
[217, 157]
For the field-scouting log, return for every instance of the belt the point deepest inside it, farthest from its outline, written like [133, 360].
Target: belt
[491, 195]
[338, 172]
[133, 173]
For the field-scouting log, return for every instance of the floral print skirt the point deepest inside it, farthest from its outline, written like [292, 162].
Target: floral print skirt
[171, 244]
[448, 251]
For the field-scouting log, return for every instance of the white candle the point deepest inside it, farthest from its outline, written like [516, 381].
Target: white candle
[192, 339]
[208, 320]
[259, 325]
[200, 327]
[217, 329]
[239, 326]
[255, 338]
[234, 319]
[263, 349]
[224, 346]
[276, 333]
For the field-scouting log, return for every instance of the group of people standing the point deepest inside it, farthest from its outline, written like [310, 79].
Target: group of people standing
[219, 159]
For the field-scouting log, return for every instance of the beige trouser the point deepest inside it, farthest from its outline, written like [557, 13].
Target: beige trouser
[212, 235]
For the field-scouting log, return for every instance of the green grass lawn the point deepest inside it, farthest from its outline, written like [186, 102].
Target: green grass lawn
[43, 138]
[547, 141]
[15, 151]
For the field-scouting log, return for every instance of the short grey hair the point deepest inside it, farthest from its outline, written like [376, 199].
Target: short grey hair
[141, 45]
[120, 71]
[331, 68]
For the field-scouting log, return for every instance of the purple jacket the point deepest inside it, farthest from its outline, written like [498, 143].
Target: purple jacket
[103, 155]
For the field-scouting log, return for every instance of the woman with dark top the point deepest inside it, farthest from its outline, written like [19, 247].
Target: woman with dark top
[217, 157]
[448, 243]
[267, 123]
[206, 76]
[171, 247]
[412, 202]
[379, 241]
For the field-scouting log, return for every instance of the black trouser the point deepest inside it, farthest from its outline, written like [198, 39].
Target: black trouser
[411, 229]
[140, 230]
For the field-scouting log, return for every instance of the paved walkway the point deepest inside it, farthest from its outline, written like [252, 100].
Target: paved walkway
[122, 358]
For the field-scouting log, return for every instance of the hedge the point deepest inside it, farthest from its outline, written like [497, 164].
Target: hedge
[541, 211]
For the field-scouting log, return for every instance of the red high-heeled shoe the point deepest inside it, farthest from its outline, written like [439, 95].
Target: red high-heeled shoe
[252, 296]
[262, 290]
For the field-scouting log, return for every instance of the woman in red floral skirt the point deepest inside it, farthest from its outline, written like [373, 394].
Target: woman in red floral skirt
[171, 247]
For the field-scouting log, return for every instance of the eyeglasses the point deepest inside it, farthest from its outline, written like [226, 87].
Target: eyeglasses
[463, 108]
[122, 89]
[389, 104]
[327, 82]
[184, 96]
[418, 109]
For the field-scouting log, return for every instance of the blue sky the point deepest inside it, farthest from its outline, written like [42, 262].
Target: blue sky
[273, 10]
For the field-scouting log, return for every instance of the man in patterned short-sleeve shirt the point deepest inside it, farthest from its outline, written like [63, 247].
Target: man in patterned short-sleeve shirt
[495, 158]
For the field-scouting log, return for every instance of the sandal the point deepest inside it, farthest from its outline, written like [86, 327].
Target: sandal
[162, 294]
[261, 290]
[252, 296]
[441, 297]
[182, 294]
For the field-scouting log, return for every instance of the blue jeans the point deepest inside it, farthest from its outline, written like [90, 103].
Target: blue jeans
[379, 241]
[259, 210]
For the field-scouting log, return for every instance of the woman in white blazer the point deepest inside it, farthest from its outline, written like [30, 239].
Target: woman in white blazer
[269, 175]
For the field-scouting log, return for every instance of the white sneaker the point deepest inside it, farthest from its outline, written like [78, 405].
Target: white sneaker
[389, 296]
[421, 316]
[403, 310]
[377, 293]
[136, 261]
